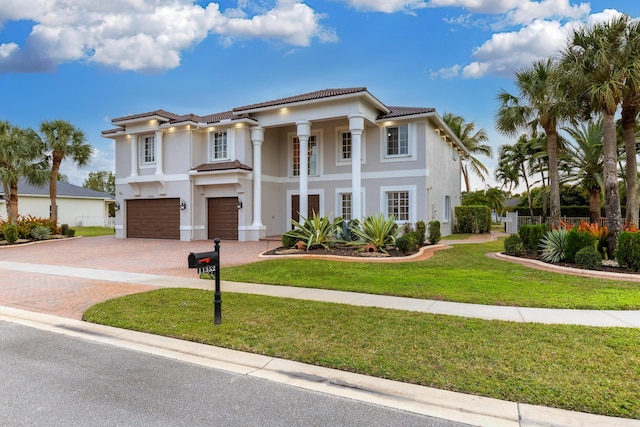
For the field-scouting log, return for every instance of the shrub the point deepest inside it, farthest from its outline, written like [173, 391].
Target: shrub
[288, 241]
[10, 233]
[628, 252]
[421, 232]
[473, 219]
[70, 232]
[378, 231]
[513, 245]
[41, 232]
[554, 245]
[63, 229]
[531, 236]
[434, 232]
[316, 231]
[407, 242]
[26, 224]
[577, 240]
[589, 258]
[345, 232]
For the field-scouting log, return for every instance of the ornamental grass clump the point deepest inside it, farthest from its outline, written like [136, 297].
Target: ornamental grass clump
[513, 245]
[378, 231]
[10, 233]
[553, 245]
[41, 232]
[316, 231]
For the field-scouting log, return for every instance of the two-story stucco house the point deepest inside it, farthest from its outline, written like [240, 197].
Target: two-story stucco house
[239, 174]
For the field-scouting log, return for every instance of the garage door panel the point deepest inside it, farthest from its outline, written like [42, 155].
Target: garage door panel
[153, 218]
[222, 215]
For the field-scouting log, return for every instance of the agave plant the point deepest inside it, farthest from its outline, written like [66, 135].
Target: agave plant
[315, 231]
[41, 232]
[553, 245]
[378, 231]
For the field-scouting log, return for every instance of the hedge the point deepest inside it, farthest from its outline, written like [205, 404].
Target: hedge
[473, 219]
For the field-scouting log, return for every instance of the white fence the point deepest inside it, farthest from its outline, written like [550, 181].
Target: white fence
[513, 221]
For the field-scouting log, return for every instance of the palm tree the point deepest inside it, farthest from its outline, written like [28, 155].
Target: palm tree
[539, 105]
[512, 164]
[21, 155]
[630, 58]
[593, 65]
[584, 161]
[473, 142]
[62, 140]
[496, 198]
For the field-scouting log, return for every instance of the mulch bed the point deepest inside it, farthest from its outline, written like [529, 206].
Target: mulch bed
[606, 268]
[342, 251]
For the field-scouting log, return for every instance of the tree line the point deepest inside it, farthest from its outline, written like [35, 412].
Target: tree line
[37, 156]
[595, 76]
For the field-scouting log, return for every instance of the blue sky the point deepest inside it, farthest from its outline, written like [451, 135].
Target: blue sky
[89, 61]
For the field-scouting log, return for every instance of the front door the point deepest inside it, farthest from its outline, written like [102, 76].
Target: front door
[313, 205]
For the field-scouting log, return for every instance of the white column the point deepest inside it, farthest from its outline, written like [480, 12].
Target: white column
[159, 151]
[356, 127]
[134, 155]
[257, 138]
[304, 131]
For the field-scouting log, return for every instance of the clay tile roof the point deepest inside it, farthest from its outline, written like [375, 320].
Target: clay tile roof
[110, 131]
[165, 114]
[405, 111]
[218, 117]
[221, 166]
[326, 93]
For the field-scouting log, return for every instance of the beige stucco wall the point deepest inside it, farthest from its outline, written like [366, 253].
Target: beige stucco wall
[72, 211]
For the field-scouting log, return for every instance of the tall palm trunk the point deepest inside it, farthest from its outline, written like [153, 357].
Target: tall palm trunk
[11, 200]
[554, 184]
[53, 189]
[526, 184]
[610, 168]
[465, 175]
[595, 194]
[629, 115]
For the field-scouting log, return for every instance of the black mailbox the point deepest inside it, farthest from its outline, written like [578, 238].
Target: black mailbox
[209, 262]
[203, 259]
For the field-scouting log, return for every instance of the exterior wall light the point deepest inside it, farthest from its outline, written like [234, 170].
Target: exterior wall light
[183, 205]
[239, 204]
[116, 206]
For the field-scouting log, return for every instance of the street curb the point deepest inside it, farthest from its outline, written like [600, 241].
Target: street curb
[458, 407]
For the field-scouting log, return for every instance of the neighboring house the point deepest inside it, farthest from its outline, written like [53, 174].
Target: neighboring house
[77, 206]
[238, 174]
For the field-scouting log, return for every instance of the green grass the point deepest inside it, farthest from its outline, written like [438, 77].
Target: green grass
[93, 231]
[586, 369]
[460, 236]
[462, 274]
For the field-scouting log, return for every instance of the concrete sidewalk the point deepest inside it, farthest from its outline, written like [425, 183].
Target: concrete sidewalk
[602, 318]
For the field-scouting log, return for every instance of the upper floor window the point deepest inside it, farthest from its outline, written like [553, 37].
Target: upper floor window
[398, 140]
[312, 156]
[218, 146]
[148, 150]
[345, 145]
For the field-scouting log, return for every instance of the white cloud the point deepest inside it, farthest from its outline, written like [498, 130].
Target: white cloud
[144, 35]
[505, 52]
[387, 6]
[446, 73]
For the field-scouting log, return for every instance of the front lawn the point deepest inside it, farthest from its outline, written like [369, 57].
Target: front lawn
[93, 231]
[579, 368]
[462, 274]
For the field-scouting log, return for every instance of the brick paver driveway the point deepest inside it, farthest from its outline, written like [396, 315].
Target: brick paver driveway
[70, 297]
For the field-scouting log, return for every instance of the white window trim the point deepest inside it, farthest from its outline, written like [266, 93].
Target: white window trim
[141, 151]
[412, 148]
[347, 162]
[290, 136]
[230, 145]
[447, 211]
[338, 200]
[413, 208]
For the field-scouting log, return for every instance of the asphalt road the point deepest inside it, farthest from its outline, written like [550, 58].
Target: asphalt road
[48, 379]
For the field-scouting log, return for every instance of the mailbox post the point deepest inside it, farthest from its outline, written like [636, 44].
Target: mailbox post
[209, 262]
